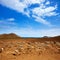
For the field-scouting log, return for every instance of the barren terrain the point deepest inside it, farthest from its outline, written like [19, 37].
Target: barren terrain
[13, 47]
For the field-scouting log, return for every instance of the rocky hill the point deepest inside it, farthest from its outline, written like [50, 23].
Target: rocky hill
[9, 36]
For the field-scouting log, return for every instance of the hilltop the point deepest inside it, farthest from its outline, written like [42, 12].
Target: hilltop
[9, 36]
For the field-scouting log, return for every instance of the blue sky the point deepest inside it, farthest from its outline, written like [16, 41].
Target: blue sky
[30, 18]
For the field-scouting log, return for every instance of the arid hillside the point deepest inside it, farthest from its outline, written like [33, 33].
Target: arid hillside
[13, 47]
[9, 36]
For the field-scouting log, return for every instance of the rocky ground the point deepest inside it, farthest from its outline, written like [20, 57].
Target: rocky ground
[20, 49]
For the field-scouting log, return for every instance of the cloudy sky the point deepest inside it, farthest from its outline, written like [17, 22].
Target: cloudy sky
[30, 18]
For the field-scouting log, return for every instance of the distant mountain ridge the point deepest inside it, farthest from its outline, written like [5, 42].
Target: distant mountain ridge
[14, 36]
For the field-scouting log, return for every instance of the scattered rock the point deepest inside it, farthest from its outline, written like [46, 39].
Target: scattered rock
[1, 50]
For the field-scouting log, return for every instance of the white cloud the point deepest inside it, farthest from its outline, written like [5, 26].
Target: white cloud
[42, 10]
[39, 19]
[14, 4]
[47, 3]
[51, 14]
[7, 23]
[29, 2]
[11, 19]
[39, 11]
[51, 8]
